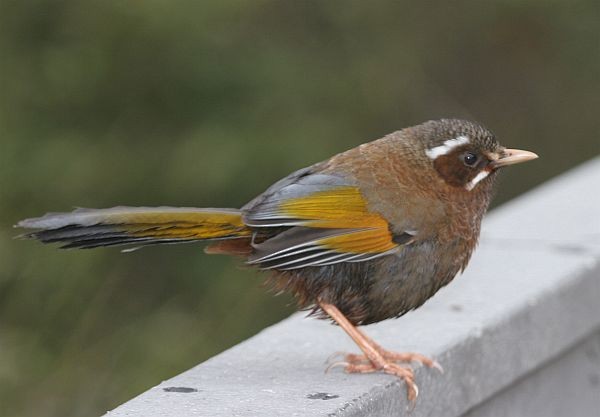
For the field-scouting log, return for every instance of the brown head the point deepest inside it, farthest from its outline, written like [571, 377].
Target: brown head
[464, 154]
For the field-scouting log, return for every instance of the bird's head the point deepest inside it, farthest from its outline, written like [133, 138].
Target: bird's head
[465, 154]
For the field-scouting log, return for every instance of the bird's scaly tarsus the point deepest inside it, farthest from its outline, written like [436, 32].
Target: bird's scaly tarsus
[376, 358]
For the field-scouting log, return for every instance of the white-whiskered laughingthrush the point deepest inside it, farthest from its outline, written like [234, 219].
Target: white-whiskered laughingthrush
[364, 236]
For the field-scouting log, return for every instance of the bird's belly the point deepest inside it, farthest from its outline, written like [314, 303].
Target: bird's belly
[379, 289]
[405, 281]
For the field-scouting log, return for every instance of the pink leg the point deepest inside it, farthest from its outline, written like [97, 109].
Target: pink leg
[375, 356]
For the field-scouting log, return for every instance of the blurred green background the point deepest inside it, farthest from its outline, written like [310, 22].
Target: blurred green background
[191, 103]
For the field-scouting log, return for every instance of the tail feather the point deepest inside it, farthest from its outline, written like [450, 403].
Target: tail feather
[140, 226]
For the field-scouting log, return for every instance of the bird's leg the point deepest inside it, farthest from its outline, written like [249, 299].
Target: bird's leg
[372, 351]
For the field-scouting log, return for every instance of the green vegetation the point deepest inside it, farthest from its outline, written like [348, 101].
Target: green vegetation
[192, 103]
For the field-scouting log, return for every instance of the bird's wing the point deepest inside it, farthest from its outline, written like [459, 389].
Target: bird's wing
[324, 220]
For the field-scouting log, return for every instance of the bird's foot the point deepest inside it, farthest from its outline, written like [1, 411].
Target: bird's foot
[390, 356]
[386, 362]
[367, 366]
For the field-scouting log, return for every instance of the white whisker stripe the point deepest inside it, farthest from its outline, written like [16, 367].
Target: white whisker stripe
[471, 184]
[447, 147]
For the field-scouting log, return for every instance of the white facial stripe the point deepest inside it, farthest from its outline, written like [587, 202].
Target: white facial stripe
[477, 178]
[447, 147]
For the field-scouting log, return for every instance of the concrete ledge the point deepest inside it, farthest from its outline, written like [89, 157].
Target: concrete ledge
[518, 332]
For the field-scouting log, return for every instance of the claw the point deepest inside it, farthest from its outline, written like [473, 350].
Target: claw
[335, 365]
[415, 391]
[335, 355]
[413, 394]
[436, 365]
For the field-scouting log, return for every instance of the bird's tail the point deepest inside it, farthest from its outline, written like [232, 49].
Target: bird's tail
[138, 226]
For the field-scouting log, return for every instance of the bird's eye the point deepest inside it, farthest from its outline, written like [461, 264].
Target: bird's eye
[469, 158]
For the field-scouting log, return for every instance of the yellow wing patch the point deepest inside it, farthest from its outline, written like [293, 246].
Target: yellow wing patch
[361, 241]
[338, 208]
[342, 208]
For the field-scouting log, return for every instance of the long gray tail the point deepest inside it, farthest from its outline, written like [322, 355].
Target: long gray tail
[139, 226]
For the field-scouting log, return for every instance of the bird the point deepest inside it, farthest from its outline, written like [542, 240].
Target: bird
[364, 236]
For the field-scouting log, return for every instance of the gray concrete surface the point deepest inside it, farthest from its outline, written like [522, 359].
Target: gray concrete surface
[566, 386]
[509, 332]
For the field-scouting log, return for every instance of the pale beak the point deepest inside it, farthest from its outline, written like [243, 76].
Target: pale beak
[513, 156]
